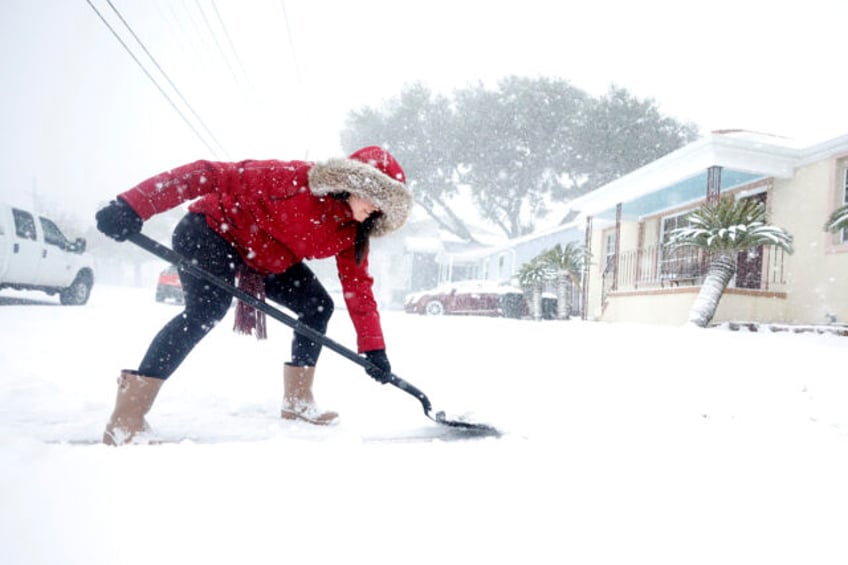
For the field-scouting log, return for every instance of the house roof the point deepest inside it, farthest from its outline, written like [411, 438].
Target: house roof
[743, 156]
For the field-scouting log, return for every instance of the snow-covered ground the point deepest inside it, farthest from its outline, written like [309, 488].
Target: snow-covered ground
[622, 444]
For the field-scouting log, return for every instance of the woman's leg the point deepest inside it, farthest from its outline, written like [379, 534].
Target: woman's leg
[299, 290]
[205, 305]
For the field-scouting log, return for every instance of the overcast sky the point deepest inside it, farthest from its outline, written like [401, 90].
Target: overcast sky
[81, 121]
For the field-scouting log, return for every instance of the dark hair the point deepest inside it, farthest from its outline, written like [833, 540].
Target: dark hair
[363, 229]
[363, 236]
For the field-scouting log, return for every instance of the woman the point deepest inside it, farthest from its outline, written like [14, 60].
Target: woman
[255, 222]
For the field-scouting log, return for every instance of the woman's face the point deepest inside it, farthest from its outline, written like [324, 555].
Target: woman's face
[361, 207]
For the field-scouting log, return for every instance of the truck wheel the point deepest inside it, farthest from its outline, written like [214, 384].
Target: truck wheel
[77, 294]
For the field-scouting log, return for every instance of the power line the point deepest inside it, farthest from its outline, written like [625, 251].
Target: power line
[167, 78]
[153, 80]
[192, 37]
[232, 45]
[215, 40]
[193, 40]
[300, 84]
[293, 50]
[178, 31]
[202, 36]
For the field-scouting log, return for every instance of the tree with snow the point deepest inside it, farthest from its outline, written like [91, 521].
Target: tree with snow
[518, 146]
[421, 129]
[725, 228]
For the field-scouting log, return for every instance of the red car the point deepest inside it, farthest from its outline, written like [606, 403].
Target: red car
[168, 286]
[480, 297]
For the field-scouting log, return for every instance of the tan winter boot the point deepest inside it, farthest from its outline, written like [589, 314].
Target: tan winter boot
[298, 402]
[135, 397]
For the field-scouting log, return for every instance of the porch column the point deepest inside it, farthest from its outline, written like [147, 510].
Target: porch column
[640, 243]
[713, 183]
[586, 270]
[617, 255]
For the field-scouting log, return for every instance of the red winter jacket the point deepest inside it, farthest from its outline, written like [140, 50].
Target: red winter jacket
[268, 212]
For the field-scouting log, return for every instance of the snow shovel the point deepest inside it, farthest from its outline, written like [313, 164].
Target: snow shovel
[171, 256]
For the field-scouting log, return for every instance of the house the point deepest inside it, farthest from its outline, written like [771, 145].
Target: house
[624, 223]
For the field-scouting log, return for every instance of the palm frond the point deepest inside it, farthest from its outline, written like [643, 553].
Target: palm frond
[838, 221]
[729, 225]
[534, 272]
[568, 258]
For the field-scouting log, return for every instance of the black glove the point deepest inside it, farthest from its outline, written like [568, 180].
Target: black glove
[383, 372]
[118, 220]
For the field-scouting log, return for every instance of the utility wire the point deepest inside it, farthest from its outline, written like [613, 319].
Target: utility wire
[156, 84]
[215, 40]
[191, 37]
[180, 30]
[207, 50]
[193, 40]
[167, 78]
[300, 84]
[196, 32]
[232, 45]
[293, 50]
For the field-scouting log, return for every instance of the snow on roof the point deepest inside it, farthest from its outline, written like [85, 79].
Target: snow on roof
[758, 137]
[739, 150]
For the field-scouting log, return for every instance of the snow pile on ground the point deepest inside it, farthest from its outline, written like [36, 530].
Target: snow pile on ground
[623, 443]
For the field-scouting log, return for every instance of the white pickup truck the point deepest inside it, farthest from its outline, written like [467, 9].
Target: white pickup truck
[36, 255]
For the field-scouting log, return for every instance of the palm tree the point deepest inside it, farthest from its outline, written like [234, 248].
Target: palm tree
[566, 264]
[532, 276]
[838, 220]
[724, 228]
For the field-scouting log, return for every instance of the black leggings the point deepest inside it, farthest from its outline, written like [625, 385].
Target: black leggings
[298, 289]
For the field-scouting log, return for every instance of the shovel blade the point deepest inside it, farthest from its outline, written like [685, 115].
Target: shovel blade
[467, 428]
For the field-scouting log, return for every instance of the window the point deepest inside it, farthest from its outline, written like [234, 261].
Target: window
[24, 224]
[670, 223]
[52, 234]
[749, 264]
[679, 263]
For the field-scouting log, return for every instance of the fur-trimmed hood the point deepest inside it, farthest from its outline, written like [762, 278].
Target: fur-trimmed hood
[371, 173]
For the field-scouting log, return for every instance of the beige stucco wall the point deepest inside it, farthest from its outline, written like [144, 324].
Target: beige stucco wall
[671, 307]
[652, 231]
[629, 236]
[817, 273]
[651, 307]
[735, 306]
